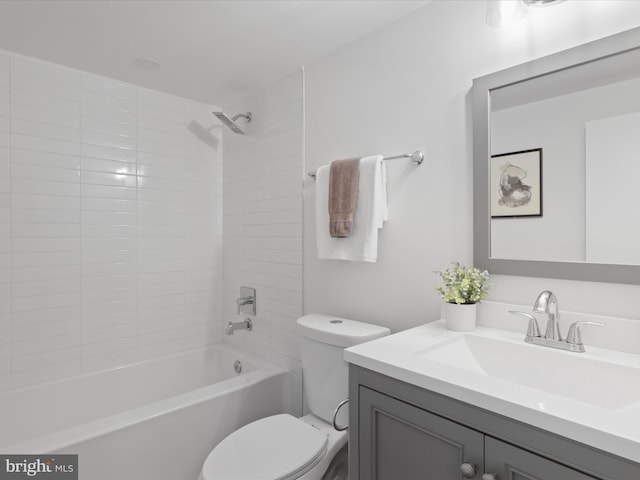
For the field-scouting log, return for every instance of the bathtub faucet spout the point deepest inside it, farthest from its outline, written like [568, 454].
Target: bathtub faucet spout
[233, 326]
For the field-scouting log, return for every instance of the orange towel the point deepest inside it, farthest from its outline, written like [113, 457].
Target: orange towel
[343, 193]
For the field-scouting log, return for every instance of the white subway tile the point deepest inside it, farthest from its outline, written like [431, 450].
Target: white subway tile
[57, 202]
[169, 115]
[107, 139]
[50, 244]
[43, 302]
[108, 205]
[107, 86]
[45, 230]
[101, 320]
[108, 114]
[23, 185]
[164, 159]
[68, 117]
[42, 144]
[109, 310]
[45, 86]
[104, 257]
[106, 126]
[108, 191]
[103, 296]
[108, 101]
[160, 349]
[160, 125]
[109, 334]
[162, 148]
[109, 361]
[161, 196]
[110, 179]
[154, 210]
[159, 100]
[102, 249]
[101, 231]
[161, 171]
[31, 215]
[45, 173]
[44, 259]
[42, 359]
[108, 282]
[45, 374]
[109, 346]
[45, 102]
[65, 273]
[108, 152]
[104, 269]
[44, 159]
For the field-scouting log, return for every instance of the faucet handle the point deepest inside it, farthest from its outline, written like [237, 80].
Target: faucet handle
[574, 335]
[533, 330]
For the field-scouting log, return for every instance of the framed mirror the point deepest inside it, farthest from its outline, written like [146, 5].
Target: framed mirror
[557, 164]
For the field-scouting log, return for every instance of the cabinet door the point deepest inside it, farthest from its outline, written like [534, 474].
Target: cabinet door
[401, 442]
[507, 462]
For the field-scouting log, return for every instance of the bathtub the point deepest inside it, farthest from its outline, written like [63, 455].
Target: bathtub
[156, 419]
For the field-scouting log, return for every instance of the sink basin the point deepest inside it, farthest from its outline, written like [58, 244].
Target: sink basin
[570, 375]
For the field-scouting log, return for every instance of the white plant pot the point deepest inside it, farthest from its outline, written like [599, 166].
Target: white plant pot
[461, 317]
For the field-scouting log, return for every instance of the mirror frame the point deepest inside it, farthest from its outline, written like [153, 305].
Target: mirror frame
[482, 87]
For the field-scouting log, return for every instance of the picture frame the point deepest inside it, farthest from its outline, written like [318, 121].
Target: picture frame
[516, 184]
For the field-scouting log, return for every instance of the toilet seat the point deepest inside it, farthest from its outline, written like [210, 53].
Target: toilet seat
[280, 447]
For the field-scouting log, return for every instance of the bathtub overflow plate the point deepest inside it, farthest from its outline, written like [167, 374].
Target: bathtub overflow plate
[237, 366]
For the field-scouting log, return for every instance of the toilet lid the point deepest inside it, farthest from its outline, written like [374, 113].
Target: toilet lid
[279, 447]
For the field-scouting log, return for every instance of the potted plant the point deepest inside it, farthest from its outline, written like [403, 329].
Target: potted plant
[463, 288]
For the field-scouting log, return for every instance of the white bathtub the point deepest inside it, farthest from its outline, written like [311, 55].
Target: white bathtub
[152, 420]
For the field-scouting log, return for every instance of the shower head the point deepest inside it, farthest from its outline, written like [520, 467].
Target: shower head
[231, 122]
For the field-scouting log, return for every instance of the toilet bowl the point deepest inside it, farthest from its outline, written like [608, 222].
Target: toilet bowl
[283, 447]
[280, 447]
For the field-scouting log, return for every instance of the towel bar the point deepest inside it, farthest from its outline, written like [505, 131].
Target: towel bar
[416, 157]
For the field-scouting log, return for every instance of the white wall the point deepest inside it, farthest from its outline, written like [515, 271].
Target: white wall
[408, 87]
[263, 224]
[110, 223]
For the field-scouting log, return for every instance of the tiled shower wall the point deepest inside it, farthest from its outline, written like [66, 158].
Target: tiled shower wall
[263, 174]
[110, 223]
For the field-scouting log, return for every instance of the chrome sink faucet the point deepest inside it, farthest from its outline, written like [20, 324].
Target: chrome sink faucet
[547, 303]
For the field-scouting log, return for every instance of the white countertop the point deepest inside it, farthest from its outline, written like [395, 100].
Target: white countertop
[613, 430]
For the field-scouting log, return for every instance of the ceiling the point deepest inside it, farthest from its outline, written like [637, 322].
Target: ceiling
[213, 51]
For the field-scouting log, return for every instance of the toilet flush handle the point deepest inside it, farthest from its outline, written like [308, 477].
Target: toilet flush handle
[335, 415]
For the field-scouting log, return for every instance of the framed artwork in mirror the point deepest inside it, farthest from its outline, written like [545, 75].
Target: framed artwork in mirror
[516, 184]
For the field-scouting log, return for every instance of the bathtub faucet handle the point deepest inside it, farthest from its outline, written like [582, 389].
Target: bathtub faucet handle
[247, 300]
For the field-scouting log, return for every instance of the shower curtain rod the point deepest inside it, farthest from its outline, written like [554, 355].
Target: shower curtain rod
[416, 157]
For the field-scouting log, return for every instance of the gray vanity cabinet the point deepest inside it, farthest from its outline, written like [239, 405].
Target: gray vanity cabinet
[505, 461]
[399, 431]
[400, 441]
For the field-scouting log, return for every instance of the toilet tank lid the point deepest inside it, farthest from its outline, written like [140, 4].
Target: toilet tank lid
[337, 331]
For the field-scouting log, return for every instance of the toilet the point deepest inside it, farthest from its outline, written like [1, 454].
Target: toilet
[283, 447]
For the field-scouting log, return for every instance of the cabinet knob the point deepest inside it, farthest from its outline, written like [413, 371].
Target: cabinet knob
[489, 476]
[468, 470]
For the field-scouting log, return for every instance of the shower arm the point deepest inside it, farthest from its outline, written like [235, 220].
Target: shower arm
[247, 116]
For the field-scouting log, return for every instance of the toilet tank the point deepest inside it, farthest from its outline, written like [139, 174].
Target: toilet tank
[323, 339]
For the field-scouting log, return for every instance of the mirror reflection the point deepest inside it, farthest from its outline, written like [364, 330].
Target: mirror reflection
[565, 164]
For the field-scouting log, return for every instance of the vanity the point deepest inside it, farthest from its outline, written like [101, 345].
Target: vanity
[430, 403]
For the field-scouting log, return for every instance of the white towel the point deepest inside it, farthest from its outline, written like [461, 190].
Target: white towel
[370, 214]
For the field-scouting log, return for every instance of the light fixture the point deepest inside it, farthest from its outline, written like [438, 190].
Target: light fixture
[501, 13]
[146, 63]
